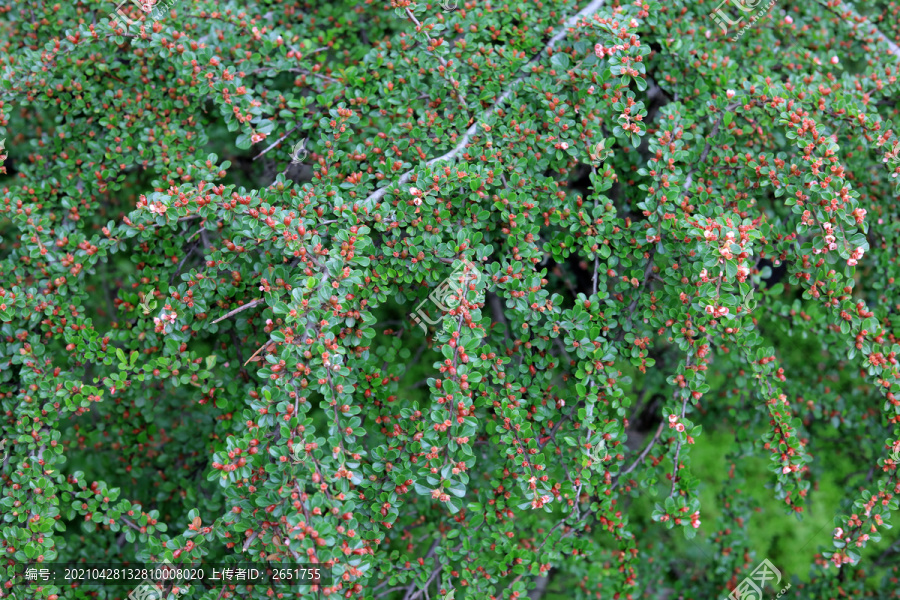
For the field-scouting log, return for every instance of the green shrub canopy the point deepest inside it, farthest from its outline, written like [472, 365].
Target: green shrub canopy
[459, 300]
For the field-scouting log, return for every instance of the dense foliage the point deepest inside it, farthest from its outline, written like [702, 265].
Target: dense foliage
[628, 232]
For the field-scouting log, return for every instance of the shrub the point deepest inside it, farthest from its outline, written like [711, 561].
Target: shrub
[441, 296]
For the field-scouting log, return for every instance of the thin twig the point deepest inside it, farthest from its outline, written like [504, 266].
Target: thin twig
[563, 31]
[181, 264]
[250, 539]
[250, 304]
[279, 140]
[411, 586]
[130, 523]
[678, 447]
[461, 96]
[260, 349]
[639, 459]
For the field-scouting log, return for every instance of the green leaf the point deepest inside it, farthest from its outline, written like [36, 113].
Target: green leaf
[731, 269]
[560, 61]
